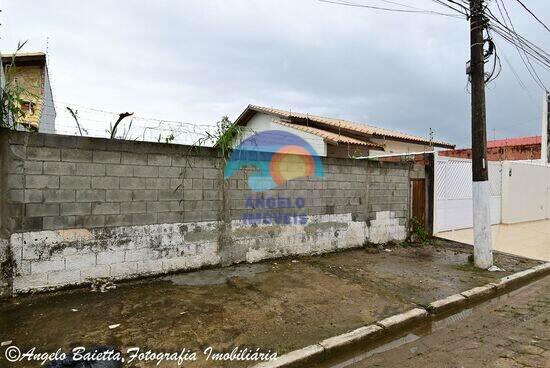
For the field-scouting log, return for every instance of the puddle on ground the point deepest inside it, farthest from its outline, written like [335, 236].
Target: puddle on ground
[383, 348]
[296, 303]
[216, 276]
[353, 358]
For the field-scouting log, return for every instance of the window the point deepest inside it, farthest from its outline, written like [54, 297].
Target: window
[28, 107]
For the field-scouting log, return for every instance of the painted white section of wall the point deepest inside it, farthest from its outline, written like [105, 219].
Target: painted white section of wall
[525, 192]
[47, 118]
[453, 193]
[483, 245]
[398, 147]
[386, 228]
[48, 260]
[316, 237]
[4, 280]
[261, 122]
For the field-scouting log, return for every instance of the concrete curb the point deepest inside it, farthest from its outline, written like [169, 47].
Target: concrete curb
[480, 293]
[445, 304]
[350, 338]
[400, 321]
[522, 277]
[387, 326]
[295, 358]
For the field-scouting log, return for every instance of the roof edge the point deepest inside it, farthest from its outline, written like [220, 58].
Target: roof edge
[251, 110]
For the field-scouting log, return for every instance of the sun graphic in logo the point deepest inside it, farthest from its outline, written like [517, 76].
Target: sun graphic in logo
[291, 162]
[277, 156]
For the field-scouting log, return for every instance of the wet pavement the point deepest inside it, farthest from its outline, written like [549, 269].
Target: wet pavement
[512, 331]
[279, 305]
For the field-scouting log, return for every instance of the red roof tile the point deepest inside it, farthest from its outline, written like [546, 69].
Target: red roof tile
[342, 126]
[518, 141]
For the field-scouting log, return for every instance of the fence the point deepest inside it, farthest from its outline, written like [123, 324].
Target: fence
[519, 192]
[74, 209]
[453, 193]
[97, 123]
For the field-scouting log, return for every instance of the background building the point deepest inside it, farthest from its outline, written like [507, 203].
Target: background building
[510, 149]
[335, 137]
[30, 71]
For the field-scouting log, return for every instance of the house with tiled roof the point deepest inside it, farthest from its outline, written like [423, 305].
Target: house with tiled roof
[30, 72]
[509, 149]
[332, 137]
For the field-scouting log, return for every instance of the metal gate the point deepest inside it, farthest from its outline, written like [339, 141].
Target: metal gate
[453, 193]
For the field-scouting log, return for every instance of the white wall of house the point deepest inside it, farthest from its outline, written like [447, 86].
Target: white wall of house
[262, 122]
[392, 146]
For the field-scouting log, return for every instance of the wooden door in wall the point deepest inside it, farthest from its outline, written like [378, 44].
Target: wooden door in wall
[418, 196]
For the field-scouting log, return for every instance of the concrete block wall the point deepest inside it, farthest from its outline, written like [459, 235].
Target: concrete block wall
[78, 209]
[322, 234]
[61, 182]
[334, 209]
[389, 200]
[385, 227]
[341, 190]
[389, 190]
[52, 259]
[5, 268]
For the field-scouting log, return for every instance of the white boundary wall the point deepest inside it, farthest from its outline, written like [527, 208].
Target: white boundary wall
[525, 192]
[519, 192]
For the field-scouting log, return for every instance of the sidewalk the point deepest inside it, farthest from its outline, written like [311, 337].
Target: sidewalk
[280, 305]
[527, 239]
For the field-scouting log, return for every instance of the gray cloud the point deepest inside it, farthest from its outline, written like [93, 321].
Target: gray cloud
[197, 60]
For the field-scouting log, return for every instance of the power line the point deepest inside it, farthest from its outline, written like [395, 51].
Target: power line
[533, 14]
[518, 79]
[524, 47]
[464, 11]
[411, 10]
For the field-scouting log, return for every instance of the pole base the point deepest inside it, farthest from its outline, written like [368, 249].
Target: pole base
[483, 246]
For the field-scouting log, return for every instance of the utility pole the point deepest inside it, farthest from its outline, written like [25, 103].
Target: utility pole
[483, 254]
[545, 142]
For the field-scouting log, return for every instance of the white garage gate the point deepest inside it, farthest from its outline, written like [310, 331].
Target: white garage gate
[453, 193]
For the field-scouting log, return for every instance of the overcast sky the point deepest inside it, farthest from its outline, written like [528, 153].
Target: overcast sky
[197, 60]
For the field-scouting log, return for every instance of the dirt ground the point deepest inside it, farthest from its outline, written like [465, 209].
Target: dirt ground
[278, 305]
[514, 333]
